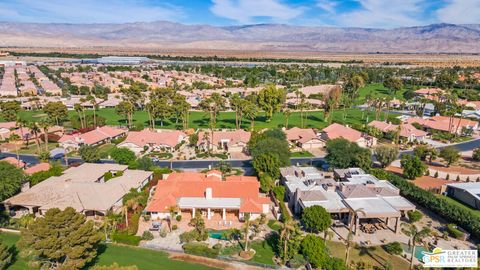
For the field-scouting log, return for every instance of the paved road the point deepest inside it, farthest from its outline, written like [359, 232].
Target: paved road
[244, 164]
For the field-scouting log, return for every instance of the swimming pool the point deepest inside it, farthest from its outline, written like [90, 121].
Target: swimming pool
[216, 235]
[418, 251]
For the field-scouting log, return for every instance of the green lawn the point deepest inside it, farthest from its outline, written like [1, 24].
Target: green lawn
[144, 259]
[227, 119]
[32, 148]
[377, 257]
[302, 154]
[378, 90]
[461, 205]
[105, 150]
[263, 251]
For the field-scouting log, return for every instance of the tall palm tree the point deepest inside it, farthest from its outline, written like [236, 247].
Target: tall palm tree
[131, 204]
[286, 113]
[20, 124]
[93, 101]
[286, 229]
[416, 235]
[35, 130]
[353, 218]
[247, 229]
[14, 138]
[45, 125]
[79, 109]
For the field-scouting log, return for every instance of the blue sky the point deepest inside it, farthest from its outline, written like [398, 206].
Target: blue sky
[345, 13]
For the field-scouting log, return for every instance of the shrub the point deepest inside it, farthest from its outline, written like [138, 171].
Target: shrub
[414, 216]
[458, 178]
[147, 235]
[436, 174]
[394, 248]
[297, 261]
[200, 249]
[454, 231]
[107, 176]
[123, 155]
[174, 227]
[279, 192]
[126, 239]
[163, 233]
[448, 177]
[178, 218]
[133, 224]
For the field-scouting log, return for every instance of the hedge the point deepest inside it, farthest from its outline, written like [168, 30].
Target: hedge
[126, 239]
[449, 211]
[453, 231]
[200, 249]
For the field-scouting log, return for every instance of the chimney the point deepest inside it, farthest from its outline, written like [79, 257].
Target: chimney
[208, 193]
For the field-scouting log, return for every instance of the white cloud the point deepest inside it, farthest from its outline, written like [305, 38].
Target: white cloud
[385, 14]
[86, 11]
[460, 12]
[248, 11]
[327, 5]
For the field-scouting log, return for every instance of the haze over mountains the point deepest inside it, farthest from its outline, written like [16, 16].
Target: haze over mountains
[437, 38]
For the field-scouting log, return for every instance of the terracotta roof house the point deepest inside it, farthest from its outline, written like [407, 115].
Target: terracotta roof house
[352, 190]
[306, 138]
[229, 141]
[443, 123]
[5, 129]
[15, 162]
[163, 140]
[211, 194]
[98, 136]
[335, 131]
[40, 167]
[83, 188]
[429, 91]
[407, 131]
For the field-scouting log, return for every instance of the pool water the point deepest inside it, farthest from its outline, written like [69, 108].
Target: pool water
[216, 235]
[418, 251]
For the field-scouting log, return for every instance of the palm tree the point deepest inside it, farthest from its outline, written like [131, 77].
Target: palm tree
[353, 218]
[14, 138]
[79, 109]
[93, 101]
[20, 124]
[45, 125]
[247, 229]
[129, 205]
[416, 236]
[35, 130]
[286, 113]
[286, 229]
[251, 111]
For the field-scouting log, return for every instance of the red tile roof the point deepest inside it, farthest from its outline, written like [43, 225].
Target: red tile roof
[406, 130]
[302, 135]
[149, 137]
[40, 167]
[14, 162]
[335, 131]
[193, 184]
[94, 136]
[442, 123]
[235, 137]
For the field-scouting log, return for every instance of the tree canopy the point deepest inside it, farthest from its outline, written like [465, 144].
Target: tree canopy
[11, 180]
[344, 154]
[412, 166]
[89, 153]
[316, 218]
[56, 111]
[315, 251]
[450, 154]
[123, 155]
[271, 99]
[61, 239]
[386, 154]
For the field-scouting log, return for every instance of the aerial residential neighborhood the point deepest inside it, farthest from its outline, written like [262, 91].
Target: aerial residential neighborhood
[268, 134]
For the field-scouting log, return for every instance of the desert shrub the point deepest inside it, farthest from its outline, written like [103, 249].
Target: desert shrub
[147, 235]
[178, 218]
[394, 248]
[297, 261]
[126, 239]
[200, 249]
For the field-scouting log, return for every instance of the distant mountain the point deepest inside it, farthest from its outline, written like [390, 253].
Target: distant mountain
[436, 38]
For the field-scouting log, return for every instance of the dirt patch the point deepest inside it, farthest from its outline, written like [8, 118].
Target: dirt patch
[201, 260]
[452, 169]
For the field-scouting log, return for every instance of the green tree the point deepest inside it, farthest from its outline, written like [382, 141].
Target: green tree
[11, 180]
[394, 84]
[6, 256]
[56, 111]
[144, 163]
[344, 154]
[316, 219]
[123, 155]
[412, 166]
[89, 153]
[476, 154]
[271, 99]
[9, 110]
[416, 236]
[315, 251]
[268, 163]
[250, 111]
[44, 156]
[61, 239]
[450, 154]
[212, 106]
[414, 216]
[266, 182]
[386, 154]
[126, 109]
